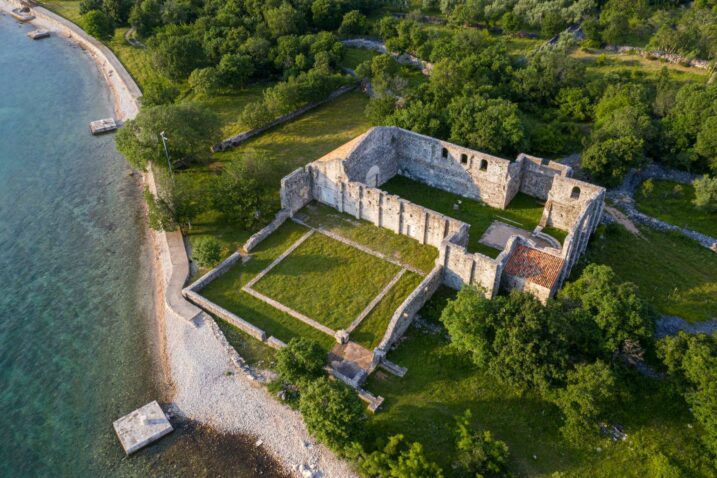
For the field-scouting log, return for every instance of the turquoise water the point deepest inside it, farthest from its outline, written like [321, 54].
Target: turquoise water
[76, 342]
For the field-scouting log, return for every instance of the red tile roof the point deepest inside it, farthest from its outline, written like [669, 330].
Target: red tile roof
[534, 266]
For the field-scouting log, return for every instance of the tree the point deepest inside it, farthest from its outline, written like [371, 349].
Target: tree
[515, 338]
[284, 20]
[692, 361]
[326, 14]
[206, 251]
[158, 213]
[585, 400]
[89, 5]
[189, 128]
[236, 69]
[614, 307]
[98, 24]
[611, 159]
[205, 81]
[705, 193]
[706, 144]
[176, 52]
[479, 454]
[353, 23]
[491, 125]
[158, 91]
[118, 10]
[333, 413]
[145, 16]
[574, 103]
[398, 459]
[301, 359]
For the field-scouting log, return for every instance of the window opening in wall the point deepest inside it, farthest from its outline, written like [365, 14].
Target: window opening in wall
[464, 158]
[483, 165]
[575, 193]
[444, 153]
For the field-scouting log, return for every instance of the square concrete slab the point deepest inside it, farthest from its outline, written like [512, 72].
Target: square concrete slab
[142, 427]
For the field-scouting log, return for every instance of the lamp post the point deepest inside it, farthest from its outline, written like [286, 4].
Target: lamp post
[166, 153]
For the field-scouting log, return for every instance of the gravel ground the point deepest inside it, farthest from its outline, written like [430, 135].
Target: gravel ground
[231, 402]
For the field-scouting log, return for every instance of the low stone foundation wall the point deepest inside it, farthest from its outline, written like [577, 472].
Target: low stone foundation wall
[235, 141]
[215, 273]
[661, 55]
[223, 313]
[255, 239]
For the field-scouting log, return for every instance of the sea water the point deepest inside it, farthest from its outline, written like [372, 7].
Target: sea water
[76, 318]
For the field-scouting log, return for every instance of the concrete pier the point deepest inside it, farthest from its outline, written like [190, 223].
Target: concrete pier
[142, 427]
[103, 126]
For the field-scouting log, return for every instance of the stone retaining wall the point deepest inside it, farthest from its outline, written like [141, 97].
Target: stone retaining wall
[235, 141]
[257, 237]
[215, 273]
[222, 313]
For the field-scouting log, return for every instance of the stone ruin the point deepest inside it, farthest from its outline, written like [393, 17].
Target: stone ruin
[349, 180]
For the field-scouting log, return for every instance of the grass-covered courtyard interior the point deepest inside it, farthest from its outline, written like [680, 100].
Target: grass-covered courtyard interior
[324, 279]
[523, 211]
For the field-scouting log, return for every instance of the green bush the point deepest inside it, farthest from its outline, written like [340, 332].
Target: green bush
[98, 24]
[398, 459]
[207, 252]
[479, 454]
[301, 359]
[333, 413]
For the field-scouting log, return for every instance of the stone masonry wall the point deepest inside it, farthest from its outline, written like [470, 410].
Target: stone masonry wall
[405, 313]
[296, 190]
[537, 178]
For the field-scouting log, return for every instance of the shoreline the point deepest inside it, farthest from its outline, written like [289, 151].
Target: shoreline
[201, 381]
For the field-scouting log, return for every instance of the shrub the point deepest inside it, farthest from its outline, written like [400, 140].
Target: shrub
[333, 413]
[205, 81]
[647, 188]
[207, 252]
[479, 454]
[98, 24]
[301, 359]
[399, 459]
[353, 23]
[159, 92]
[705, 193]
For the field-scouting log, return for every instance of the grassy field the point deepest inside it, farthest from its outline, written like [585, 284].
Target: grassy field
[226, 291]
[600, 63]
[371, 330]
[353, 57]
[674, 273]
[672, 202]
[441, 384]
[400, 247]
[327, 280]
[523, 211]
[69, 9]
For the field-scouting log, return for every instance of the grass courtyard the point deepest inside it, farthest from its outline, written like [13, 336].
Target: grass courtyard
[441, 383]
[328, 281]
[523, 211]
[672, 202]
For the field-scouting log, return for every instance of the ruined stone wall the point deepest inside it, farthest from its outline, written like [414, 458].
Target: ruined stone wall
[454, 169]
[537, 178]
[566, 200]
[405, 313]
[388, 211]
[462, 267]
[373, 161]
[266, 231]
[296, 190]
[509, 282]
[579, 234]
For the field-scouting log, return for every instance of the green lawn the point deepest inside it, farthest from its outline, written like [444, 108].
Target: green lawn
[674, 273]
[69, 9]
[403, 248]
[523, 211]
[672, 202]
[229, 106]
[327, 281]
[372, 329]
[253, 352]
[600, 63]
[441, 384]
[226, 291]
[353, 57]
[138, 61]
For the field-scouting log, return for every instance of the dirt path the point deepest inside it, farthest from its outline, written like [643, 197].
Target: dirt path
[621, 218]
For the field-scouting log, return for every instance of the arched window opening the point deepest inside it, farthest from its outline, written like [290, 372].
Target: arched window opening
[444, 153]
[575, 193]
[464, 158]
[483, 165]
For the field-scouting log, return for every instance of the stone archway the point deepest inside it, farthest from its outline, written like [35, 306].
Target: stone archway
[372, 176]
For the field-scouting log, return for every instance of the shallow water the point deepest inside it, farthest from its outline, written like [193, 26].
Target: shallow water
[76, 348]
